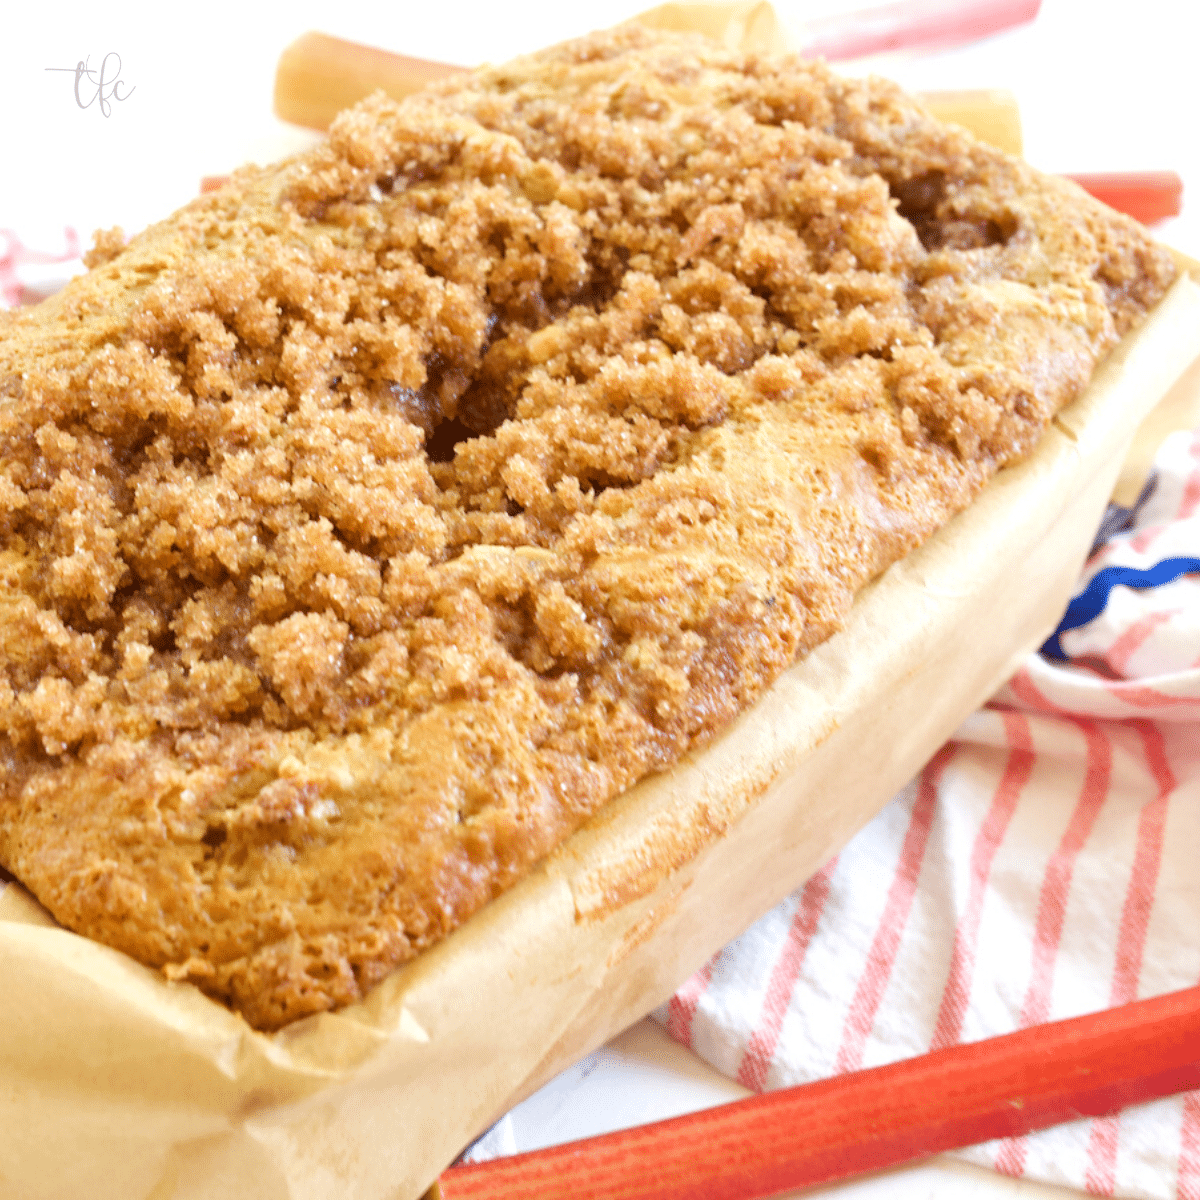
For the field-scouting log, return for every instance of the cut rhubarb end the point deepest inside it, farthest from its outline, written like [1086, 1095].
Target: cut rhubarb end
[1148, 196]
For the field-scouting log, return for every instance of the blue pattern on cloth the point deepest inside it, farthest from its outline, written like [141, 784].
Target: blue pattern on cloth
[1090, 603]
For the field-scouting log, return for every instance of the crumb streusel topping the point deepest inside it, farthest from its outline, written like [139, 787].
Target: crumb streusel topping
[367, 525]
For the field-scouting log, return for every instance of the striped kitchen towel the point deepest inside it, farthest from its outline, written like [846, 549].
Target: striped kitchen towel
[1043, 865]
[28, 274]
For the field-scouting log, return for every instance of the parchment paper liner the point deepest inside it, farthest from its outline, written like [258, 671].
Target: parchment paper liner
[117, 1085]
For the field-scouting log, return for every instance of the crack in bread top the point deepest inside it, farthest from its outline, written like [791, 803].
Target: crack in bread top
[370, 523]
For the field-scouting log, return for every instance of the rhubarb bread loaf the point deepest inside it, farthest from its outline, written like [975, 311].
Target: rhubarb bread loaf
[369, 524]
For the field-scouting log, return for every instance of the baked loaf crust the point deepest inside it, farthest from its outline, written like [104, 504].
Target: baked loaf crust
[369, 524]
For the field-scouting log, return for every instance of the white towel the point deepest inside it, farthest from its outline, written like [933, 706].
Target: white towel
[29, 273]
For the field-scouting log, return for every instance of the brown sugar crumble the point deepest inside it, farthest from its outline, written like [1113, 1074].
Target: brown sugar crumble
[371, 522]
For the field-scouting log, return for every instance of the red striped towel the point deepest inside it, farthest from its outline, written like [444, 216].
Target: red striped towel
[1043, 865]
[28, 275]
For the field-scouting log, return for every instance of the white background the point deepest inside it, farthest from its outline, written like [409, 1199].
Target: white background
[1102, 86]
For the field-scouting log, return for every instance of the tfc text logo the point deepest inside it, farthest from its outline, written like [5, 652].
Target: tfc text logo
[98, 85]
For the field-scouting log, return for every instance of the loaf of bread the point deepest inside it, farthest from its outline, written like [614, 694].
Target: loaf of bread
[372, 522]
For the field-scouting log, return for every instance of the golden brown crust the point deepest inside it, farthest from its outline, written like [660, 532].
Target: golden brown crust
[370, 523]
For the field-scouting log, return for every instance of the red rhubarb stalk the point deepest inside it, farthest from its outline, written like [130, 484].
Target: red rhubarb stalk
[869, 1120]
